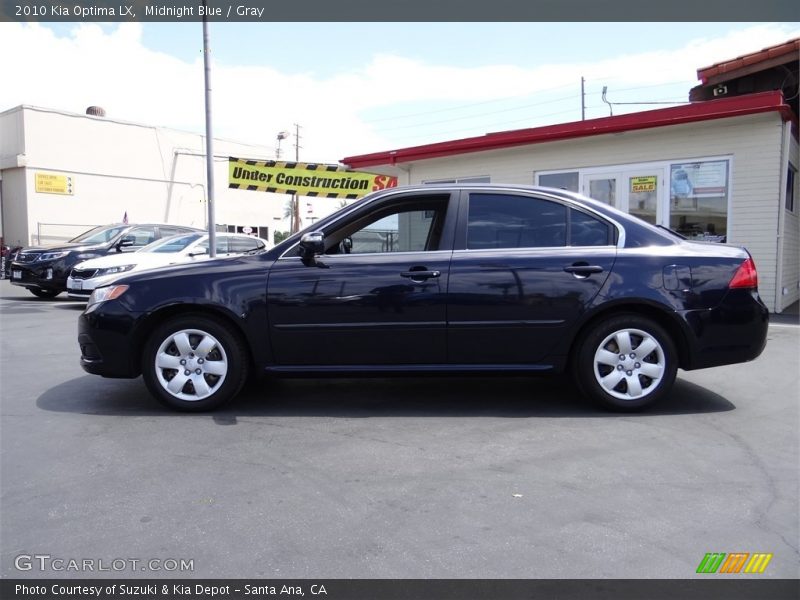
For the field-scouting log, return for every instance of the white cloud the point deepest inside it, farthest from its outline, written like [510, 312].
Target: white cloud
[110, 67]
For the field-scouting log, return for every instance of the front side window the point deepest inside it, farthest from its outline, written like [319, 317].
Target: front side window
[408, 227]
[141, 236]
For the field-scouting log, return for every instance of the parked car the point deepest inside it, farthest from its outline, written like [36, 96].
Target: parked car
[447, 279]
[6, 253]
[88, 275]
[44, 270]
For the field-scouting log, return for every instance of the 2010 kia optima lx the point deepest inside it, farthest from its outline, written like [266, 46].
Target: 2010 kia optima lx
[450, 279]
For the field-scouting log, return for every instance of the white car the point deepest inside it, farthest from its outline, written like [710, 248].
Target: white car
[186, 247]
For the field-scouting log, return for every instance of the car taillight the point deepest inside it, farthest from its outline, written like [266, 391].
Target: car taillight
[745, 276]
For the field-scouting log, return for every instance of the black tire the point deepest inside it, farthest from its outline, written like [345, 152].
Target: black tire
[214, 357]
[39, 293]
[632, 383]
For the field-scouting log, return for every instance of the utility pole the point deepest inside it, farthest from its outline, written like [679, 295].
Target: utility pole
[212, 227]
[295, 198]
[583, 100]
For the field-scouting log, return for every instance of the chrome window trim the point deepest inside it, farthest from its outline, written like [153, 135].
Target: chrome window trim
[493, 188]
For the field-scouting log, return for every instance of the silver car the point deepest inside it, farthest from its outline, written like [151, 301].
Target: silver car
[88, 275]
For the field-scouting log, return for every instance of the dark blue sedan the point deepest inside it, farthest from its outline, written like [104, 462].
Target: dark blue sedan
[445, 279]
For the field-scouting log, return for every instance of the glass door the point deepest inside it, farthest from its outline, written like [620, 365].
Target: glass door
[637, 190]
[643, 191]
[605, 188]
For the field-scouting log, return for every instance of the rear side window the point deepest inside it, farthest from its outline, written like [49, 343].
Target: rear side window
[238, 244]
[168, 231]
[508, 221]
[586, 230]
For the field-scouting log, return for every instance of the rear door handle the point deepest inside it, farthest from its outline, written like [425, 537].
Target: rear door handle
[420, 274]
[583, 270]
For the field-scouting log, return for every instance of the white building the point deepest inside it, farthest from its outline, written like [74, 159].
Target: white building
[720, 170]
[62, 173]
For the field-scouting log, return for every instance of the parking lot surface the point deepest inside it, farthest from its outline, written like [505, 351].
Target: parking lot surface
[389, 478]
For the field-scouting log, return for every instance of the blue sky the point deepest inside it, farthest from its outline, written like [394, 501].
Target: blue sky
[363, 87]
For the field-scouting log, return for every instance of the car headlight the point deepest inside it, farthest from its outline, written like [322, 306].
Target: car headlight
[103, 294]
[53, 255]
[113, 270]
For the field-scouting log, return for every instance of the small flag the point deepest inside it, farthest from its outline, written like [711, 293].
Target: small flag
[125, 218]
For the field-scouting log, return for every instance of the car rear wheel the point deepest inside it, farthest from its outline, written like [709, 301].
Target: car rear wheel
[627, 362]
[39, 293]
[194, 363]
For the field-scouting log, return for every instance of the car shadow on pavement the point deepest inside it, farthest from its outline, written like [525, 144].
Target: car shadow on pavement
[43, 301]
[73, 305]
[508, 397]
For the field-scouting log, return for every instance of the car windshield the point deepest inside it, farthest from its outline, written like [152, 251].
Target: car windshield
[100, 235]
[176, 243]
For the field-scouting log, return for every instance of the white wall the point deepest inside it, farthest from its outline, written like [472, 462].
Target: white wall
[790, 279]
[153, 174]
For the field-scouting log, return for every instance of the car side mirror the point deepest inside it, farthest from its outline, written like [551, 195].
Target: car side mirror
[312, 244]
[126, 242]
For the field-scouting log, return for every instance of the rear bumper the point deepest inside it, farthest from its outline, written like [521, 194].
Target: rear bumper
[733, 332]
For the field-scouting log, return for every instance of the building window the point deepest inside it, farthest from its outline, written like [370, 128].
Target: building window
[790, 179]
[567, 180]
[699, 199]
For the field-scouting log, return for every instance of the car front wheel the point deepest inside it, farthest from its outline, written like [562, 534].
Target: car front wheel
[194, 363]
[627, 362]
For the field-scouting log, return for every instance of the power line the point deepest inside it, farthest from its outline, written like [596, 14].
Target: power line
[476, 115]
[460, 106]
[490, 126]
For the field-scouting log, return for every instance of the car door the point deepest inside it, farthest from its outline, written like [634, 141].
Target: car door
[524, 269]
[378, 294]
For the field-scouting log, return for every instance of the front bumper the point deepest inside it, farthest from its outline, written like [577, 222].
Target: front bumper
[105, 337]
[46, 276]
[81, 289]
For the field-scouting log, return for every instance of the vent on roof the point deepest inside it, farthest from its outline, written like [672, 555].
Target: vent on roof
[96, 111]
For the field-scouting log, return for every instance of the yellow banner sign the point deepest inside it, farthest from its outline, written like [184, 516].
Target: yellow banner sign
[305, 179]
[643, 184]
[53, 183]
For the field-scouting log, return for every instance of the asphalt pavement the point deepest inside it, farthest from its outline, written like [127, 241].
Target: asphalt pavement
[388, 478]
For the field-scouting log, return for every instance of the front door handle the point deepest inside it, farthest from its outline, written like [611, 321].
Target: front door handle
[421, 274]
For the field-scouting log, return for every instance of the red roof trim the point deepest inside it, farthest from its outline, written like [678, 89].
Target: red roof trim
[689, 113]
[790, 47]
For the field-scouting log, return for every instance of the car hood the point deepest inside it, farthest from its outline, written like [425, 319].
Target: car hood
[60, 247]
[144, 260]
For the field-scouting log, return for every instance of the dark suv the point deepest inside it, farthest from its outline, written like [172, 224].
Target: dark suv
[44, 270]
